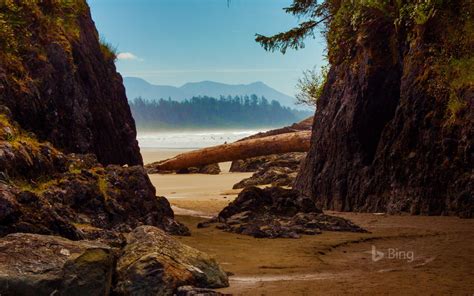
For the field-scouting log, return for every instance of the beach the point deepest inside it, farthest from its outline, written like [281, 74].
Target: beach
[196, 194]
[338, 262]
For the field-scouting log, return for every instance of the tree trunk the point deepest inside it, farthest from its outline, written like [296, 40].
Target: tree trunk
[289, 142]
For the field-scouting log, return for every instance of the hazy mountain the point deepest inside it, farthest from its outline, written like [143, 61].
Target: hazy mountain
[137, 87]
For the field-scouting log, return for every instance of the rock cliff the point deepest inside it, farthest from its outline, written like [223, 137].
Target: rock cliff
[394, 129]
[68, 203]
[46, 42]
[45, 191]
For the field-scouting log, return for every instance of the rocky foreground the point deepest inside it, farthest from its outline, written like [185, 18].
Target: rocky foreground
[76, 206]
[274, 169]
[150, 263]
[48, 192]
[276, 212]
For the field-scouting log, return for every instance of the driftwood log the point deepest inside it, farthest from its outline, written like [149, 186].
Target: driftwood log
[283, 143]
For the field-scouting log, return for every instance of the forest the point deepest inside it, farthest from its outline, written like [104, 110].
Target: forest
[210, 112]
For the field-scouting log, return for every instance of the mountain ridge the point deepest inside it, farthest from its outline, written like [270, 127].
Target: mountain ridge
[138, 87]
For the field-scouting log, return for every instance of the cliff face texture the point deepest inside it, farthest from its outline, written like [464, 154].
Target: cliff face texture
[395, 122]
[57, 82]
[60, 82]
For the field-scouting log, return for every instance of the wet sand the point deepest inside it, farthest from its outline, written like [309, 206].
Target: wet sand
[338, 263]
[333, 263]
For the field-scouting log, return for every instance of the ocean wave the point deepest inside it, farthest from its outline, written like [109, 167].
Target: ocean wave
[191, 139]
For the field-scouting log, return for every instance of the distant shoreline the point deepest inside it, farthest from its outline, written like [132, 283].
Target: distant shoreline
[191, 139]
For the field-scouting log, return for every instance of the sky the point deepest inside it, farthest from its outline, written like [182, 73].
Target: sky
[172, 42]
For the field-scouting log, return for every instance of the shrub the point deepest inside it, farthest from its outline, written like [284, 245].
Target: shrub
[108, 50]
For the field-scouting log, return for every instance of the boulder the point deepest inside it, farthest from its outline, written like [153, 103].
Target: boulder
[276, 176]
[277, 212]
[33, 264]
[154, 263]
[290, 160]
[210, 169]
[276, 169]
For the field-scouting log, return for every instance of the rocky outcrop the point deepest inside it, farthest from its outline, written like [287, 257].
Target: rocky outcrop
[58, 83]
[275, 176]
[87, 112]
[275, 169]
[51, 265]
[290, 160]
[276, 212]
[45, 191]
[153, 263]
[210, 169]
[395, 123]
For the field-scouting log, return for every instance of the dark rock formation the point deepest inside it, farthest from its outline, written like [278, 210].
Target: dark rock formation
[210, 169]
[290, 160]
[156, 264]
[275, 176]
[33, 264]
[276, 212]
[61, 85]
[47, 192]
[395, 123]
[87, 112]
[275, 169]
[151, 263]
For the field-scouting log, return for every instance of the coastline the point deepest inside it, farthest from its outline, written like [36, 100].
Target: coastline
[338, 262]
[196, 194]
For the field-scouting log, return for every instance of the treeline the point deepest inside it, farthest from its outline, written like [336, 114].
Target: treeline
[209, 112]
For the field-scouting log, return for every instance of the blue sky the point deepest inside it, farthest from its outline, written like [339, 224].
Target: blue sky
[177, 41]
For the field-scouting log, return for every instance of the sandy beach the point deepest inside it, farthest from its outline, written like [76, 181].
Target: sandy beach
[333, 263]
[195, 194]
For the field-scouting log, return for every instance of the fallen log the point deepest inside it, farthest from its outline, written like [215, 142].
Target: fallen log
[283, 143]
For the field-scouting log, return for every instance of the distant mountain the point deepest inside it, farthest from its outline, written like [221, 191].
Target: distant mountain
[137, 87]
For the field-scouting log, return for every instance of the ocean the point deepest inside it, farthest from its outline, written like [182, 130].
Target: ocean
[191, 139]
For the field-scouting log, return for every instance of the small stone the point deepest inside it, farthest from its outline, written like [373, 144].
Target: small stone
[65, 252]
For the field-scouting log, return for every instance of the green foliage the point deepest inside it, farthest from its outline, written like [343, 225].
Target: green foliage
[24, 27]
[454, 106]
[108, 50]
[293, 38]
[420, 11]
[310, 86]
[445, 27]
[208, 112]
[461, 72]
[102, 185]
[460, 75]
[316, 14]
[339, 20]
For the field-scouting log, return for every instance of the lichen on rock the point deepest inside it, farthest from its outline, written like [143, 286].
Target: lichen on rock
[395, 122]
[88, 111]
[153, 263]
[49, 265]
[45, 191]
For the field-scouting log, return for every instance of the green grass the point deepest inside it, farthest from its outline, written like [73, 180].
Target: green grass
[108, 50]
